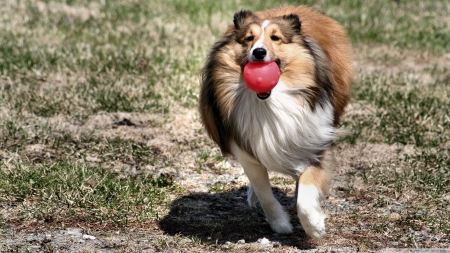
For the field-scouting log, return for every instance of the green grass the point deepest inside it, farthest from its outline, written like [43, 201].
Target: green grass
[67, 64]
[410, 25]
[59, 145]
[415, 187]
[69, 192]
[408, 111]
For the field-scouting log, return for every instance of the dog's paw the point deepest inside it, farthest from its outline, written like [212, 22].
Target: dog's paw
[278, 219]
[309, 211]
[252, 199]
[313, 221]
[281, 226]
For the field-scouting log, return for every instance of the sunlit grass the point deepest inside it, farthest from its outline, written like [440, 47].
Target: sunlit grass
[68, 192]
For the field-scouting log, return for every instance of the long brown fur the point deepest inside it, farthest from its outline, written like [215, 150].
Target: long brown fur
[332, 38]
[216, 100]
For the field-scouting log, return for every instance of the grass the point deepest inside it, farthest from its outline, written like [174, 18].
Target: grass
[409, 199]
[62, 192]
[90, 92]
[411, 112]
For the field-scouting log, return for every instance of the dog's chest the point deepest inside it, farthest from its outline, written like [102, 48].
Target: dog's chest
[280, 132]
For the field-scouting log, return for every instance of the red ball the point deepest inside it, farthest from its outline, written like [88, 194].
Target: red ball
[261, 76]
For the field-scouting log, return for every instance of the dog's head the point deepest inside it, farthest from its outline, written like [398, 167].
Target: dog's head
[266, 40]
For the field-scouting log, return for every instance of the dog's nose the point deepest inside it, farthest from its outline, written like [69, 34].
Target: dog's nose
[259, 53]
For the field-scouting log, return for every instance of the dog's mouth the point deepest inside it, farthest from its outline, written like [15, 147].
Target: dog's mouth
[277, 61]
[266, 95]
[263, 95]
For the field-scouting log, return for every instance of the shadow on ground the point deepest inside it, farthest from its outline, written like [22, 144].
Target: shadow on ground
[222, 217]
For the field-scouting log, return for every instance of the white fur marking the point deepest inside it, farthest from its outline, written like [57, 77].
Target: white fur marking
[284, 136]
[309, 211]
[260, 42]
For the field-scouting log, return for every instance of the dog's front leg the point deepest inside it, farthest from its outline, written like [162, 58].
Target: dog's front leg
[260, 185]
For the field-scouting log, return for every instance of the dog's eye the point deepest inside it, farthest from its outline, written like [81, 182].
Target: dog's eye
[249, 38]
[274, 38]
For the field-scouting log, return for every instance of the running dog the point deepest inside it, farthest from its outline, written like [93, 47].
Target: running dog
[291, 128]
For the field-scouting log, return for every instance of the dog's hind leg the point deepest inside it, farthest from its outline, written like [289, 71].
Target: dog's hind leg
[252, 199]
[294, 203]
[277, 217]
[312, 187]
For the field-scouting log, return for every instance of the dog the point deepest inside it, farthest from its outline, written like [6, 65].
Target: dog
[291, 128]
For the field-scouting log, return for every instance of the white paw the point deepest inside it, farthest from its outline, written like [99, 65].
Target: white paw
[281, 225]
[252, 199]
[276, 216]
[313, 221]
[309, 211]
[278, 219]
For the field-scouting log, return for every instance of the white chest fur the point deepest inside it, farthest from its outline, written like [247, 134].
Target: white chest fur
[284, 135]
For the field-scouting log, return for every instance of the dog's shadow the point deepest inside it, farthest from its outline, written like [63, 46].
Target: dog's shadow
[222, 217]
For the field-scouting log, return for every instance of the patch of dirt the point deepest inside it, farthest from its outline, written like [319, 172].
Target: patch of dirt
[413, 65]
[363, 155]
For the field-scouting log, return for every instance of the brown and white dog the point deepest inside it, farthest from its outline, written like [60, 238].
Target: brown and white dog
[289, 129]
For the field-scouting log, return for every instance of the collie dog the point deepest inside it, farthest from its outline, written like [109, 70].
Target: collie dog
[291, 128]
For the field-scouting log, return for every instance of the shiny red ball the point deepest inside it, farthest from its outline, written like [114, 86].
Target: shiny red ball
[261, 76]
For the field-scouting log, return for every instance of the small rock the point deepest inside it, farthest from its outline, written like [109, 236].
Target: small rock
[395, 216]
[242, 241]
[89, 237]
[34, 248]
[384, 212]
[75, 232]
[264, 241]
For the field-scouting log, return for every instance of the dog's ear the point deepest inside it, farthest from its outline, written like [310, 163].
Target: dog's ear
[239, 18]
[294, 21]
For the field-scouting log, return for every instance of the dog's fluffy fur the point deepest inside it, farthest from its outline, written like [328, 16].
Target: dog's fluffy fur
[290, 131]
